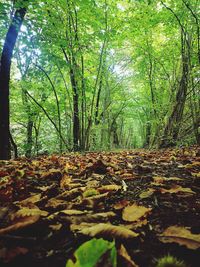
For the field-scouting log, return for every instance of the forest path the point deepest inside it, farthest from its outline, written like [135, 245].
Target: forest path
[149, 201]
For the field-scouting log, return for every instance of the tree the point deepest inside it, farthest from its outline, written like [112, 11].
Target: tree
[5, 64]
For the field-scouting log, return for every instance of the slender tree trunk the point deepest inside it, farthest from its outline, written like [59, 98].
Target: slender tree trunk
[57, 104]
[29, 142]
[5, 65]
[15, 149]
[148, 135]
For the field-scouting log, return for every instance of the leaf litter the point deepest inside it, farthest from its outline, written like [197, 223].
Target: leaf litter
[148, 202]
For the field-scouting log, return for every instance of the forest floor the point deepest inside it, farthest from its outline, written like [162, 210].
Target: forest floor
[147, 201]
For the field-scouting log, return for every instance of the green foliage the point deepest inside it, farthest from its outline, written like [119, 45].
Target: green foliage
[90, 252]
[90, 192]
[127, 62]
[170, 261]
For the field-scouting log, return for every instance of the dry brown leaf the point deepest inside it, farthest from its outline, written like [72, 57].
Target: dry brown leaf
[71, 194]
[69, 167]
[75, 185]
[5, 181]
[108, 230]
[128, 176]
[135, 225]
[177, 189]
[72, 212]
[56, 203]
[91, 202]
[33, 199]
[182, 236]
[80, 226]
[22, 222]
[124, 254]
[134, 213]
[97, 197]
[55, 227]
[121, 204]
[97, 217]
[65, 181]
[109, 188]
[158, 180]
[26, 212]
[51, 173]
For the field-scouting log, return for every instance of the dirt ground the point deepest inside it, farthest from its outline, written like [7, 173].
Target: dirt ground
[147, 200]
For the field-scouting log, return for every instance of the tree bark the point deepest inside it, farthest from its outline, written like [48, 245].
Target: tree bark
[5, 65]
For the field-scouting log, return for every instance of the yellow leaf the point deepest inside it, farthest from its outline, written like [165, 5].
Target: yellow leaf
[196, 175]
[69, 167]
[72, 212]
[24, 212]
[147, 193]
[134, 212]
[193, 165]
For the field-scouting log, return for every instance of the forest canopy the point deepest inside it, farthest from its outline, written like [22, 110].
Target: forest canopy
[99, 75]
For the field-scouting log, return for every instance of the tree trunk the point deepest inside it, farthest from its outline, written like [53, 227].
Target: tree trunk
[29, 142]
[5, 65]
[173, 126]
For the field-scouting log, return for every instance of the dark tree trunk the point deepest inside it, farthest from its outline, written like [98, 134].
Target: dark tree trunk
[5, 65]
[172, 128]
[29, 142]
[76, 122]
[148, 135]
[114, 131]
[14, 146]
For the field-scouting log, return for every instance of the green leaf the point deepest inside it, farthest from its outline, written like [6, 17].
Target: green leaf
[89, 253]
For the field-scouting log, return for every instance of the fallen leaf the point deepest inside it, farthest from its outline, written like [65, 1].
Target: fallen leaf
[158, 180]
[121, 204]
[134, 213]
[136, 224]
[109, 188]
[55, 227]
[65, 181]
[84, 258]
[177, 189]
[127, 259]
[147, 193]
[72, 212]
[22, 222]
[33, 199]
[196, 175]
[51, 173]
[108, 230]
[182, 236]
[90, 192]
[26, 212]
[88, 217]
